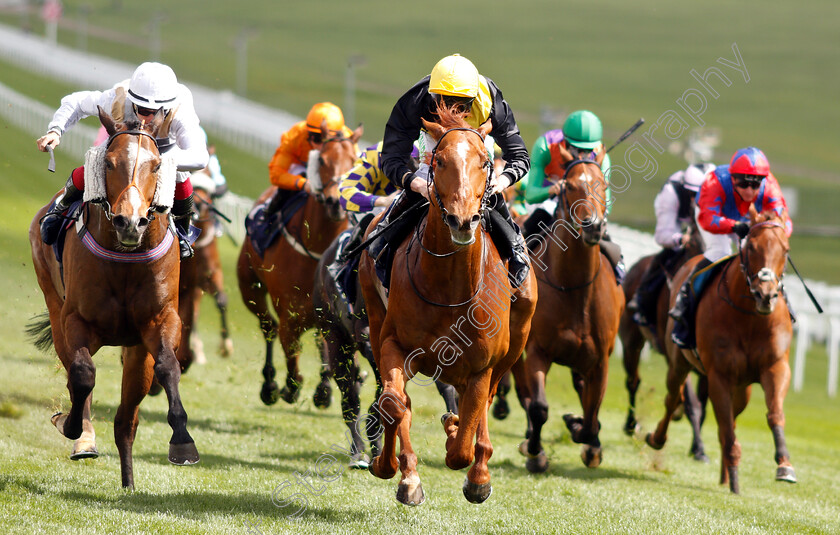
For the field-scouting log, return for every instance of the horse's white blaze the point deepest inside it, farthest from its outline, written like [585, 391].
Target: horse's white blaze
[134, 200]
[463, 149]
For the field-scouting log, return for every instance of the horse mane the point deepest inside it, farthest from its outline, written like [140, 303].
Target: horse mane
[450, 117]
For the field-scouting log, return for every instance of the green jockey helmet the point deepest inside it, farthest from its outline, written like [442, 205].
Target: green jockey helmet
[583, 129]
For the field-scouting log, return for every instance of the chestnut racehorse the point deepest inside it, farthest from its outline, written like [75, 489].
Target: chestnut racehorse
[119, 288]
[286, 272]
[449, 314]
[578, 312]
[743, 337]
[633, 337]
[199, 275]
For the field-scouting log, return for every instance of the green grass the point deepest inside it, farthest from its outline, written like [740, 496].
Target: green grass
[248, 449]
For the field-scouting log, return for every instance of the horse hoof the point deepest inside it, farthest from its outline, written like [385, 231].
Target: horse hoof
[574, 424]
[785, 473]
[700, 456]
[537, 464]
[323, 396]
[183, 454]
[523, 448]
[649, 441]
[631, 426]
[359, 461]
[290, 395]
[591, 456]
[501, 409]
[446, 416]
[226, 349]
[59, 420]
[475, 493]
[270, 393]
[89, 452]
[410, 492]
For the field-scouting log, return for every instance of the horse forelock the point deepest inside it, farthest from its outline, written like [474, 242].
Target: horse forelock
[450, 117]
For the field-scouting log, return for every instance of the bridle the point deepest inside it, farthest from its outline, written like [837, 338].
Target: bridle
[564, 208]
[318, 188]
[488, 192]
[764, 274]
[104, 204]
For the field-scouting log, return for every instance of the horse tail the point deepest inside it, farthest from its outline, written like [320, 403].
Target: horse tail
[39, 331]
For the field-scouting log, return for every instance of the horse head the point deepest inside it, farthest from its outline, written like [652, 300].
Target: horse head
[460, 172]
[132, 165]
[335, 157]
[763, 255]
[582, 197]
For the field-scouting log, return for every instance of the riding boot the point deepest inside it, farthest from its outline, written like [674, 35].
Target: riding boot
[683, 310]
[277, 201]
[51, 222]
[532, 226]
[507, 236]
[384, 230]
[644, 301]
[182, 215]
[613, 252]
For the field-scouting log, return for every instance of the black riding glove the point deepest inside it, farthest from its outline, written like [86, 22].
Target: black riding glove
[741, 229]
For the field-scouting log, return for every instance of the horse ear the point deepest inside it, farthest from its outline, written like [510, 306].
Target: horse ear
[325, 130]
[485, 128]
[107, 121]
[753, 214]
[565, 155]
[599, 156]
[434, 129]
[357, 133]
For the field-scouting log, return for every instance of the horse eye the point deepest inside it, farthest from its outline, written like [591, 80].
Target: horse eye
[157, 168]
[109, 164]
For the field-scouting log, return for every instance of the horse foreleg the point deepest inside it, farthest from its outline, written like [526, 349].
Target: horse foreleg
[774, 381]
[693, 412]
[220, 296]
[341, 359]
[138, 372]
[160, 342]
[449, 395]
[460, 449]
[585, 430]
[477, 486]
[85, 446]
[678, 370]
[537, 366]
[81, 378]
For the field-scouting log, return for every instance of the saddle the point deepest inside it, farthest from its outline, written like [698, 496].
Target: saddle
[264, 228]
[73, 213]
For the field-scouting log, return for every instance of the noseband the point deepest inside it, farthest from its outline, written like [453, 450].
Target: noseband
[485, 199]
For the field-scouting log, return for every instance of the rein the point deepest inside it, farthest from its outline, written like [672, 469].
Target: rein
[485, 200]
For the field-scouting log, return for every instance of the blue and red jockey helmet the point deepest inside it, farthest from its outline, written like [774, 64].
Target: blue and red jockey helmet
[749, 161]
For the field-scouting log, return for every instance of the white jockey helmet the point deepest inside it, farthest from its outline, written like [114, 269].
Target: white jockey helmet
[153, 86]
[694, 176]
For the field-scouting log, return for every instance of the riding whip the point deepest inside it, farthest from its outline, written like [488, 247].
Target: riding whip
[628, 133]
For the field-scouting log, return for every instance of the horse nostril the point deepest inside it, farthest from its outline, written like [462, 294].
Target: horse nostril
[143, 223]
[452, 221]
[120, 222]
[474, 220]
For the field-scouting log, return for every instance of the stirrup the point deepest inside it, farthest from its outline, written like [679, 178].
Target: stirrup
[186, 249]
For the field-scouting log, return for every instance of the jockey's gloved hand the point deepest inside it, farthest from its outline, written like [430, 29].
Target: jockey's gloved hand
[741, 229]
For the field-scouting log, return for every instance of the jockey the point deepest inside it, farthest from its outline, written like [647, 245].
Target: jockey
[674, 208]
[152, 86]
[581, 136]
[287, 168]
[454, 80]
[723, 204]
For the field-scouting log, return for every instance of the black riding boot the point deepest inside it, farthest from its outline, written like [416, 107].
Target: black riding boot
[508, 238]
[51, 222]
[182, 215]
[683, 309]
[644, 301]
[392, 224]
[532, 226]
[277, 202]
